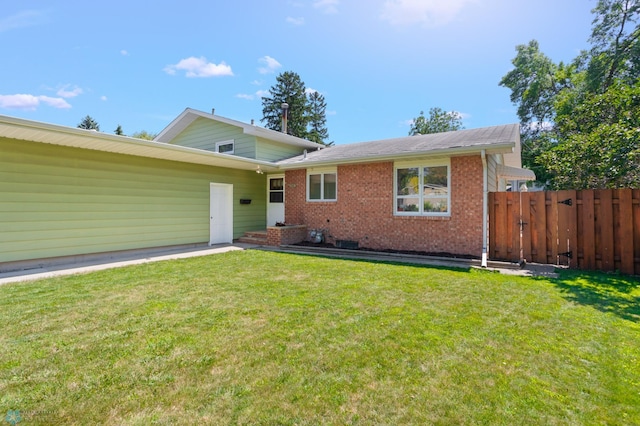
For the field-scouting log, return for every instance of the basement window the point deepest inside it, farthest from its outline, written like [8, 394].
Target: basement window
[225, 147]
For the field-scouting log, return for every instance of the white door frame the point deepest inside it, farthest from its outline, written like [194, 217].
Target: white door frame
[220, 213]
[275, 211]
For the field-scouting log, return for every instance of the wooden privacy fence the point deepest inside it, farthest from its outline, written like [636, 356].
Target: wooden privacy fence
[587, 229]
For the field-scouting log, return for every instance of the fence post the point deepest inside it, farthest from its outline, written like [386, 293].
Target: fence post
[625, 230]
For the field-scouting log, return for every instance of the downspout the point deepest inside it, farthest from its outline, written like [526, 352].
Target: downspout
[485, 206]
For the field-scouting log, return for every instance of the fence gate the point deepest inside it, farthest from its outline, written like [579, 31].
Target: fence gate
[588, 229]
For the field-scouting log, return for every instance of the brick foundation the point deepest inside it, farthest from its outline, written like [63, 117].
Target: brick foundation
[364, 211]
[283, 235]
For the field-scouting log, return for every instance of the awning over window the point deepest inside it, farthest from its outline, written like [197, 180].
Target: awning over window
[515, 173]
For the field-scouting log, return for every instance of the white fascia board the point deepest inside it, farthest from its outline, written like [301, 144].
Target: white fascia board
[280, 137]
[189, 115]
[32, 131]
[451, 152]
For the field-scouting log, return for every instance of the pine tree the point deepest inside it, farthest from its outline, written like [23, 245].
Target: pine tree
[88, 123]
[289, 88]
[318, 132]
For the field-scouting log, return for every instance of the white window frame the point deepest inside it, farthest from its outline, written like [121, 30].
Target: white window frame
[420, 165]
[231, 142]
[322, 172]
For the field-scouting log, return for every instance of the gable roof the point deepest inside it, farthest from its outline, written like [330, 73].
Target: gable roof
[189, 115]
[496, 139]
[34, 131]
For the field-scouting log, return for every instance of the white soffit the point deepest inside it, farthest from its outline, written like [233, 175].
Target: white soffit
[33, 131]
[514, 173]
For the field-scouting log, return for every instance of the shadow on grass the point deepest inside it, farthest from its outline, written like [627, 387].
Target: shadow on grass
[612, 293]
[425, 263]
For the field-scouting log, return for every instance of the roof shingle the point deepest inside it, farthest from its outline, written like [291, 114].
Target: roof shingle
[463, 140]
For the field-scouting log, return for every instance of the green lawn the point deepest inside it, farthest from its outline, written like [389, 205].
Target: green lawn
[269, 338]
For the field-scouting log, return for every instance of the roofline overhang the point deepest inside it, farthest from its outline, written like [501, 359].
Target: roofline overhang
[248, 129]
[38, 132]
[500, 148]
[514, 173]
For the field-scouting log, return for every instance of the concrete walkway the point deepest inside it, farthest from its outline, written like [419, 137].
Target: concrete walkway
[138, 258]
[529, 270]
[141, 257]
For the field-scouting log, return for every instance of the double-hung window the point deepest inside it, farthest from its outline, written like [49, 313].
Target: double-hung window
[423, 189]
[322, 185]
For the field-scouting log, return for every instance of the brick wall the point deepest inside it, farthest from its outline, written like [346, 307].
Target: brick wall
[283, 235]
[365, 205]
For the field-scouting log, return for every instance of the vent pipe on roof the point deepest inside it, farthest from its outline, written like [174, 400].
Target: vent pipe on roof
[213, 111]
[285, 108]
[252, 122]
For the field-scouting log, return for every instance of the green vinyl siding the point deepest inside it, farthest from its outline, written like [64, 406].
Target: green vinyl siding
[59, 201]
[274, 151]
[203, 134]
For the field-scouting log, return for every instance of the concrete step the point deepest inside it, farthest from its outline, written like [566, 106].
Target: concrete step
[254, 237]
[252, 240]
[256, 234]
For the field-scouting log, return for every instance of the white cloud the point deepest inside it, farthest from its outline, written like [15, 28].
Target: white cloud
[327, 6]
[103, 98]
[257, 82]
[31, 102]
[295, 21]
[63, 92]
[431, 13]
[124, 52]
[309, 91]
[26, 18]
[270, 65]
[199, 67]
[258, 94]
[55, 102]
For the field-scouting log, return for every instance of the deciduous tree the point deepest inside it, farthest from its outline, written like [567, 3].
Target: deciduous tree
[577, 119]
[438, 121]
[143, 134]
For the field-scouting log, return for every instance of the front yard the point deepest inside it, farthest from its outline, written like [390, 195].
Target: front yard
[269, 338]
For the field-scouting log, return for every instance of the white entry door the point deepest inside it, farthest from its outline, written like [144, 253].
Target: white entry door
[275, 199]
[221, 213]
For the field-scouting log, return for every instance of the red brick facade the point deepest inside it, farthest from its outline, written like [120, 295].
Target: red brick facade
[364, 210]
[283, 235]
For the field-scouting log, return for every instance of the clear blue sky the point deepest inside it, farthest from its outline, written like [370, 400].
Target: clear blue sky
[377, 62]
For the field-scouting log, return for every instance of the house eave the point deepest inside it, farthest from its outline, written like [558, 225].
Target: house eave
[501, 148]
[514, 173]
[20, 129]
[189, 115]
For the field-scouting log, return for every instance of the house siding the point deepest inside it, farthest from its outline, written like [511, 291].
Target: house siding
[60, 201]
[203, 134]
[365, 206]
[492, 174]
[273, 151]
